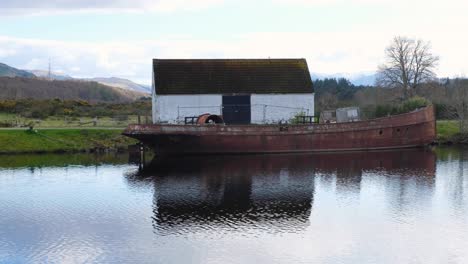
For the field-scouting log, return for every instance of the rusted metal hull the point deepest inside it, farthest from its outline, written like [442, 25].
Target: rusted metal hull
[401, 131]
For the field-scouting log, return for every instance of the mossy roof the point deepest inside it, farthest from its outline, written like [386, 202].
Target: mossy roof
[231, 76]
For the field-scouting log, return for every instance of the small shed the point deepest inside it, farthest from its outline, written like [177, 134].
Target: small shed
[347, 114]
[243, 91]
[340, 115]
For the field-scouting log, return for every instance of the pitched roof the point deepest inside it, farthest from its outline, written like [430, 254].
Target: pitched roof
[232, 76]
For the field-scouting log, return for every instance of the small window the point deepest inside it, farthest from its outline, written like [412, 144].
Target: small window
[380, 132]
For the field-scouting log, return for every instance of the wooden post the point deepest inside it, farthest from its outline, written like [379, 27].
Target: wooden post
[142, 155]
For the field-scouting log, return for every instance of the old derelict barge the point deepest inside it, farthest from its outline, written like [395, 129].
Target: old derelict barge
[249, 100]
[401, 131]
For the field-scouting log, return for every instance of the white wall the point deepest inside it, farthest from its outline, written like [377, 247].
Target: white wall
[272, 108]
[269, 108]
[153, 101]
[173, 108]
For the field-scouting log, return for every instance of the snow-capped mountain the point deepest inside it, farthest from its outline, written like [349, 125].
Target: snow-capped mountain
[364, 78]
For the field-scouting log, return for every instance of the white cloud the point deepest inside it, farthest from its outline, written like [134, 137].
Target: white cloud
[332, 2]
[7, 52]
[75, 69]
[404, 4]
[33, 7]
[35, 63]
[353, 51]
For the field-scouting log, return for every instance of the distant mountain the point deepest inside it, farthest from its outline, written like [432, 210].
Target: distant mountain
[365, 78]
[123, 83]
[22, 84]
[35, 88]
[8, 71]
[112, 81]
[53, 75]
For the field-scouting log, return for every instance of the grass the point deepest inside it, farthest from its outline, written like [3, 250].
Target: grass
[61, 140]
[85, 139]
[447, 130]
[60, 121]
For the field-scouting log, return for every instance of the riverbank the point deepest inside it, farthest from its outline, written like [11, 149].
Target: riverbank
[50, 140]
[448, 133]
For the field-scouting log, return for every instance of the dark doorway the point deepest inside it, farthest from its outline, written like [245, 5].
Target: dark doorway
[236, 109]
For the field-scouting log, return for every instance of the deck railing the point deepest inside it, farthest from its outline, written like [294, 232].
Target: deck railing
[267, 110]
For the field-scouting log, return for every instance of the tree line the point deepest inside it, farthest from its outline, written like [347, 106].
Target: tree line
[407, 77]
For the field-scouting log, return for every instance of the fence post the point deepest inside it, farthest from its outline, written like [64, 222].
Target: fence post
[178, 114]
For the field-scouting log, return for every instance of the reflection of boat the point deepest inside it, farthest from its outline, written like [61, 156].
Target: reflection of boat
[412, 129]
[276, 190]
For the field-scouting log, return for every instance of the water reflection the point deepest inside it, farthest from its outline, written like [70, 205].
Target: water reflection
[363, 207]
[452, 177]
[37, 161]
[272, 192]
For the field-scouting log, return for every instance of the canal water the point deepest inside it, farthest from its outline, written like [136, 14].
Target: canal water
[406, 206]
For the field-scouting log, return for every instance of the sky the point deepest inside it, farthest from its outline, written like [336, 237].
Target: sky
[89, 38]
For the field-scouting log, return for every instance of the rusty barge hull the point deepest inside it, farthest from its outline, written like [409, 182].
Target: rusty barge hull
[412, 129]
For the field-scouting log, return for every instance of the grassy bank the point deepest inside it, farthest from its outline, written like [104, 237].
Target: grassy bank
[62, 140]
[76, 139]
[11, 120]
[448, 132]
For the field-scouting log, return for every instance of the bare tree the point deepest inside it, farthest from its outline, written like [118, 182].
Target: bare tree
[459, 101]
[409, 63]
[327, 101]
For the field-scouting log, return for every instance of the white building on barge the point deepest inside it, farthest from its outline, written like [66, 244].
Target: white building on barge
[243, 91]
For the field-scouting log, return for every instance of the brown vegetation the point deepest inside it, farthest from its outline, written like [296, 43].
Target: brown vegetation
[73, 108]
[32, 88]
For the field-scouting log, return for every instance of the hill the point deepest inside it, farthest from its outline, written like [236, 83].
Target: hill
[112, 81]
[53, 75]
[8, 71]
[32, 88]
[122, 83]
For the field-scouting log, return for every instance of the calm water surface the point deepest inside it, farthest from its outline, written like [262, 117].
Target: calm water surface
[406, 206]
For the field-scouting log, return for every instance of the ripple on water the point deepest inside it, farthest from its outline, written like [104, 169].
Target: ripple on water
[370, 207]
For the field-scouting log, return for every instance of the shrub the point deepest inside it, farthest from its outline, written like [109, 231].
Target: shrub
[39, 114]
[297, 118]
[6, 124]
[413, 103]
[409, 105]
